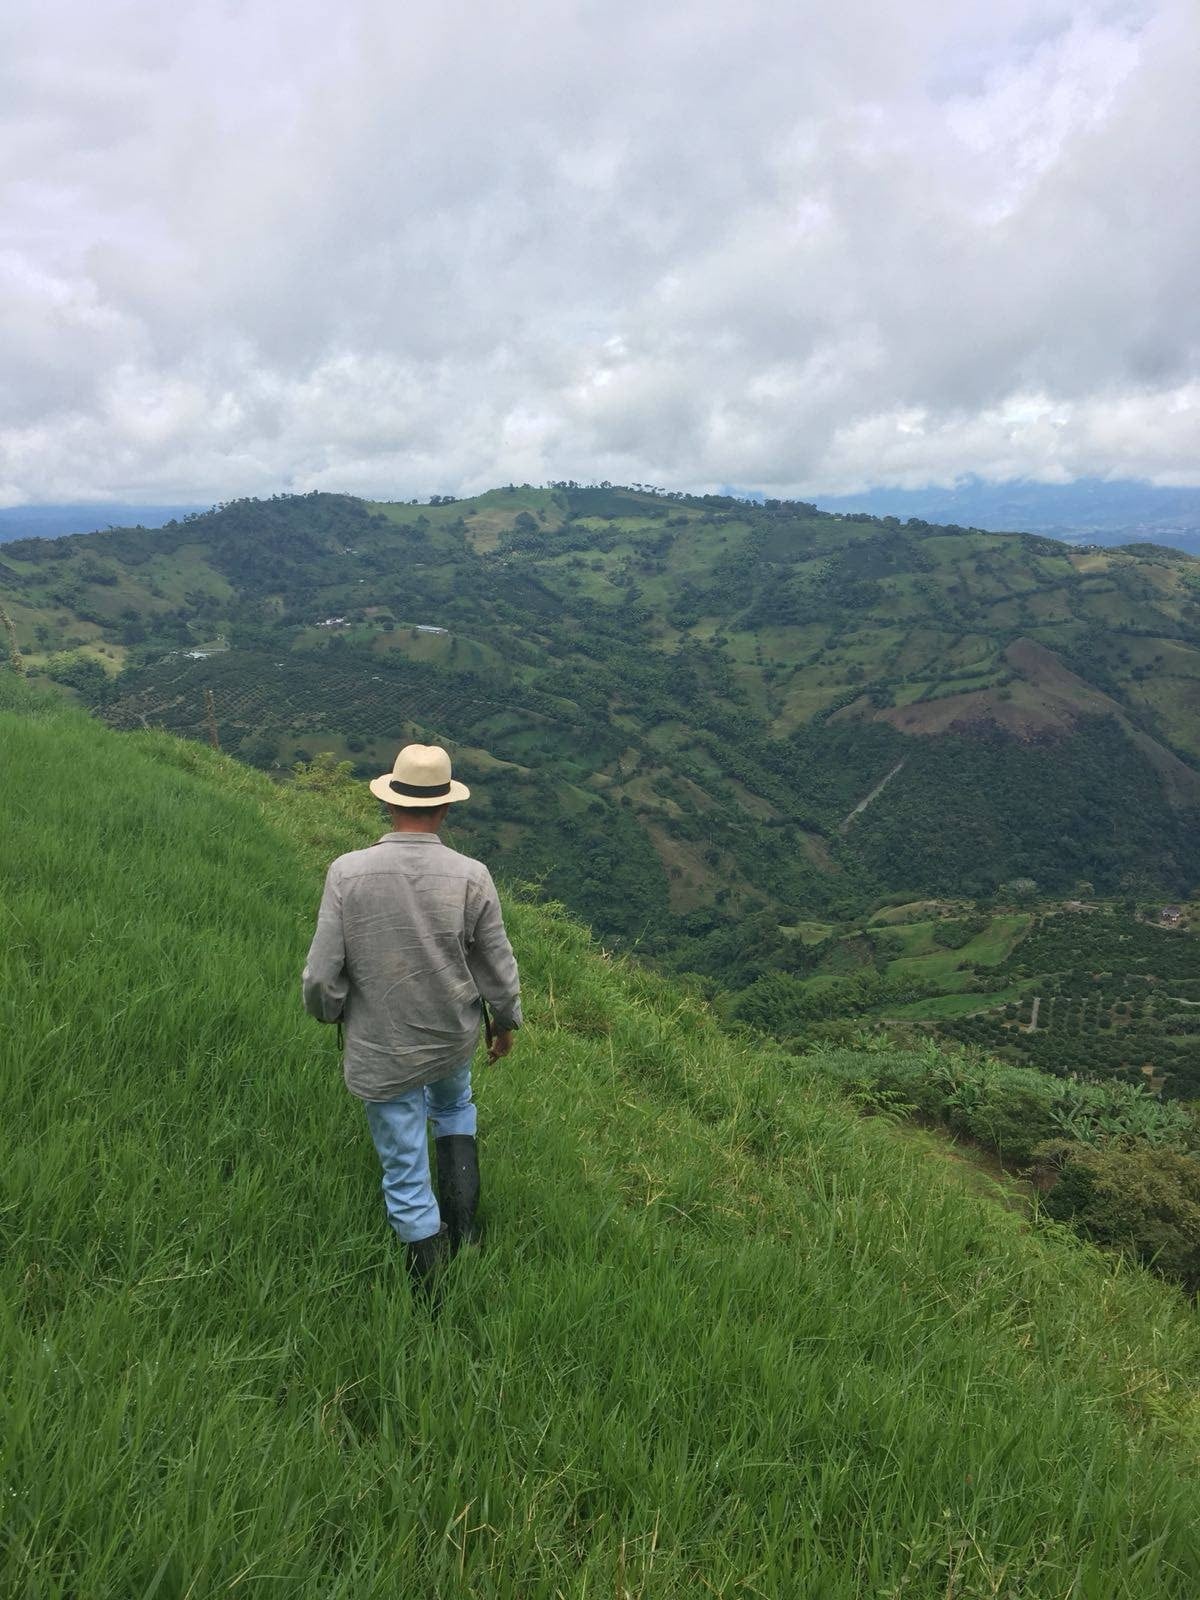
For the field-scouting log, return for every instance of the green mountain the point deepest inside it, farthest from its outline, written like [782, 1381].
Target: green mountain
[697, 721]
[726, 1337]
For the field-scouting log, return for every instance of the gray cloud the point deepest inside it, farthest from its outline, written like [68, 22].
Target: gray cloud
[432, 247]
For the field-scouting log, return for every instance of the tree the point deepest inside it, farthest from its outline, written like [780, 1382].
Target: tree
[323, 771]
[258, 750]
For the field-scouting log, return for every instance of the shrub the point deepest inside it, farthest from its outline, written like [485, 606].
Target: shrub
[1012, 1110]
[324, 771]
[1143, 1200]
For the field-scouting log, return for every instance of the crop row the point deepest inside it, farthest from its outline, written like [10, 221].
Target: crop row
[283, 695]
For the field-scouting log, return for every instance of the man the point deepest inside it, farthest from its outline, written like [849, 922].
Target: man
[409, 942]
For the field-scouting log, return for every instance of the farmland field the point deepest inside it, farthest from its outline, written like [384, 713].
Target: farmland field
[1117, 996]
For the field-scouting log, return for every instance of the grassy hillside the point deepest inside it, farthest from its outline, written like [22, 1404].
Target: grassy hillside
[692, 711]
[725, 1338]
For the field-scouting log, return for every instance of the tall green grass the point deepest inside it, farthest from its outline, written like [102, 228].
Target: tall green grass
[724, 1339]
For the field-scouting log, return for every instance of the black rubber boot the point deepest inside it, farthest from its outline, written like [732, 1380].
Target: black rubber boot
[424, 1257]
[458, 1187]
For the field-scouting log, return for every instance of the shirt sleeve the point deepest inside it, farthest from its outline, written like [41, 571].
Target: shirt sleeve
[325, 984]
[491, 961]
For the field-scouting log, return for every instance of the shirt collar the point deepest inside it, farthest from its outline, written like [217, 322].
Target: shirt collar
[392, 837]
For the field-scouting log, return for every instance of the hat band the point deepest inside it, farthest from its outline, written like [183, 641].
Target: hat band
[420, 790]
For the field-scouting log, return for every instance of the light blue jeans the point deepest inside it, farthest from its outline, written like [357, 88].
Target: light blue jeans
[399, 1129]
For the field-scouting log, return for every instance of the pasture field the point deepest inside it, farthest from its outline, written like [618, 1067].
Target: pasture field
[987, 949]
[952, 1005]
[811, 932]
[725, 1338]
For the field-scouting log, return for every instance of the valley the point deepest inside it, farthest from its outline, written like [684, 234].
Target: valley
[699, 722]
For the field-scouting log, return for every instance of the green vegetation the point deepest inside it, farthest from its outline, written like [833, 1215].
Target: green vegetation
[1116, 997]
[1100, 1005]
[837, 771]
[1140, 1200]
[726, 1337]
[1008, 1109]
[1100, 993]
[675, 706]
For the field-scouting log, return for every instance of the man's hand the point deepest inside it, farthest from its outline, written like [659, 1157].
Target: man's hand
[501, 1044]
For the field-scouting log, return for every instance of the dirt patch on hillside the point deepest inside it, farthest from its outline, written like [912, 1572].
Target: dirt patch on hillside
[1043, 669]
[817, 851]
[1181, 782]
[751, 802]
[701, 797]
[646, 799]
[697, 879]
[913, 911]
[488, 525]
[1047, 699]
[979, 711]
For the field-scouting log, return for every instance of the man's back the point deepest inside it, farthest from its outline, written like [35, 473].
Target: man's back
[408, 938]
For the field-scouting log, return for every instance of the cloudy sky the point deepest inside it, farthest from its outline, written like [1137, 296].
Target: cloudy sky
[404, 248]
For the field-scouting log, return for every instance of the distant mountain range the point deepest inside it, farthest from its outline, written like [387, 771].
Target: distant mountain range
[1088, 511]
[53, 522]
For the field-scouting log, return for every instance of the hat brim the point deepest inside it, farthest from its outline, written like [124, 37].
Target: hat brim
[381, 788]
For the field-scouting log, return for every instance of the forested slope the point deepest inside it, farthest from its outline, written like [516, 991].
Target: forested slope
[677, 701]
[725, 1338]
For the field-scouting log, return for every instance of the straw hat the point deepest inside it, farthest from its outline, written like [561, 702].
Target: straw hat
[421, 777]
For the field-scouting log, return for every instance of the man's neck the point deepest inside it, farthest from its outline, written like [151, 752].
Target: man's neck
[416, 825]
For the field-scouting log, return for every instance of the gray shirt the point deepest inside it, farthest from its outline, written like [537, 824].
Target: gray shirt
[409, 937]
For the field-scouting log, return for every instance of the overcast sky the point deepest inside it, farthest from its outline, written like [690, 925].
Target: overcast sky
[399, 247]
